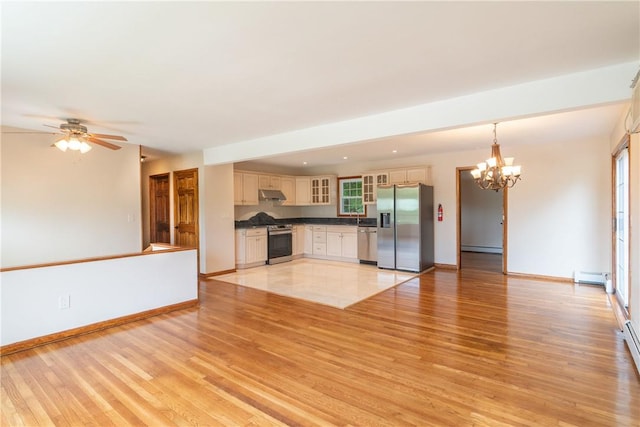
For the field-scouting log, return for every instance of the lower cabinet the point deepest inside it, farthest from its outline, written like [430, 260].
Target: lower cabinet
[342, 241]
[333, 242]
[298, 240]
[251, 247]
[319, 240]
[308, 240]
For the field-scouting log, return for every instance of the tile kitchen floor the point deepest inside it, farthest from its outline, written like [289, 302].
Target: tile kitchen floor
[333, 283]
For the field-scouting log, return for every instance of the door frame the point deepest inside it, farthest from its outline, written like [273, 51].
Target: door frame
[505, 216]
[623, 144]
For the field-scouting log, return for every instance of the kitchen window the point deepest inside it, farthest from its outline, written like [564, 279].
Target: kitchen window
[350, 196]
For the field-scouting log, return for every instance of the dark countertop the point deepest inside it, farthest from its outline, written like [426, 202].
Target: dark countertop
[364, 222]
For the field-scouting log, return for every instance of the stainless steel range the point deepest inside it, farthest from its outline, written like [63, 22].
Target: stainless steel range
[280, 244]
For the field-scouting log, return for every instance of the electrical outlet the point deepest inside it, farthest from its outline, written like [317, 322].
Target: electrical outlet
[64, 302]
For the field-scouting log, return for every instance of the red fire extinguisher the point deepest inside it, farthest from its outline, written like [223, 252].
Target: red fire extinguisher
[440, 212]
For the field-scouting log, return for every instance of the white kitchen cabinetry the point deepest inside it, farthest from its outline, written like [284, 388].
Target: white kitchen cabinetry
[298, 239]
[308, 240]
[342, 242]
[269, 182]
[408, 176]
[245, 188]
[320, 190]
[251, 247]
[319, 240]
[288, 188]
[303, 190]
[370, 182]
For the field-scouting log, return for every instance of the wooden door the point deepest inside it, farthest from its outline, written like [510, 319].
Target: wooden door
[185, 184]
[159, 209]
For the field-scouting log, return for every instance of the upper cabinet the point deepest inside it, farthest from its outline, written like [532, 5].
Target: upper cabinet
[288, 188]
[408, 176]
[245, 188]
[269, 182]
[320, 190]
[303, 190]
[370, 182]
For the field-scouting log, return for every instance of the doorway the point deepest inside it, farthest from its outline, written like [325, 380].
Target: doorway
[481, 227]
[159, 206]
[621, 279]
[185, 184]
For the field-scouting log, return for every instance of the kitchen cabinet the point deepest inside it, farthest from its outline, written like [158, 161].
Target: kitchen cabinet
[303, 190]
[407, 176]
[342, 241]
[251, 247]
[288, 188]
[269, 182]
[319, 240]
[245, 188]
[308, 240]
[370, 182]
[298, 240]
[320, 190]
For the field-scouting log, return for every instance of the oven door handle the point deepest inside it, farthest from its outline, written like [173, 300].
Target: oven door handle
[277, 233]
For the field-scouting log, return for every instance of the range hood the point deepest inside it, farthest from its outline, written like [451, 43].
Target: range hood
[271, 195]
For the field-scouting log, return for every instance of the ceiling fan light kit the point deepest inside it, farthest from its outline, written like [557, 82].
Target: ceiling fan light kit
[72, 142]
[496, 173]
[77, 138]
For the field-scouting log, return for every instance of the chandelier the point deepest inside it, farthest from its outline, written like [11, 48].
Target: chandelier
[496, 173]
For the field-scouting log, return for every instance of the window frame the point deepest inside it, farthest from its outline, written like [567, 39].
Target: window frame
[341, 197]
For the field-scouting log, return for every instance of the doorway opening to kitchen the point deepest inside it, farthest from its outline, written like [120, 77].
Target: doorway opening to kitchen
[481, 225]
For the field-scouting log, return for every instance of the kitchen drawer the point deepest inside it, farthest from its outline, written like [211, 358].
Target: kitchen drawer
[341, 229]
[319, 248]
[256, 232]
[319, 237]
[321, 228]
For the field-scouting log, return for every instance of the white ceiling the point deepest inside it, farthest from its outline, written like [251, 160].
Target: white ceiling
[187, 76]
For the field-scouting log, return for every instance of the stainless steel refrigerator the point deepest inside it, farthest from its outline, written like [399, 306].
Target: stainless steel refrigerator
[405, 227]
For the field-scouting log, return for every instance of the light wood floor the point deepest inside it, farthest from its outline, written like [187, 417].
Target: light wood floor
[442, 349]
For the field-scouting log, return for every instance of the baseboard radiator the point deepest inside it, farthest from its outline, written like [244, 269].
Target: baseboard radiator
[631, 337]
[591, 278]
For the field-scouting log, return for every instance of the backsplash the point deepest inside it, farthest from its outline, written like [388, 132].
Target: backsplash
[243, 213]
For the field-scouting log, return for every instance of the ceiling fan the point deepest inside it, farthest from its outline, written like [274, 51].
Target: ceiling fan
[75, 136]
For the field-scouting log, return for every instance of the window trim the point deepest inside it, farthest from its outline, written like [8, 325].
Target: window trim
[339, 204]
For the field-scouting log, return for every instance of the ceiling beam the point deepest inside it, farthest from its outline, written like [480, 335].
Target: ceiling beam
[565, 93]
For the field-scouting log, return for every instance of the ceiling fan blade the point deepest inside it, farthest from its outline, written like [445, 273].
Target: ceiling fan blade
[55, 127]
[34, 132]
[103, 143]
[116, 137]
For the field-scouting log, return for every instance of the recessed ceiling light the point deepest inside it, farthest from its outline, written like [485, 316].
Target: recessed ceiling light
[394, 151]
[304, 163]
[345, 158]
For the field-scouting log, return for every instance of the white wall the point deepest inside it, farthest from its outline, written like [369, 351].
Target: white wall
[217, 238]
[98, 291]
[559, 214]
[62, 206]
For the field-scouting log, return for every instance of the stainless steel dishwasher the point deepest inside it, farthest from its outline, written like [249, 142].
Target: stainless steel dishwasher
[368, 245]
